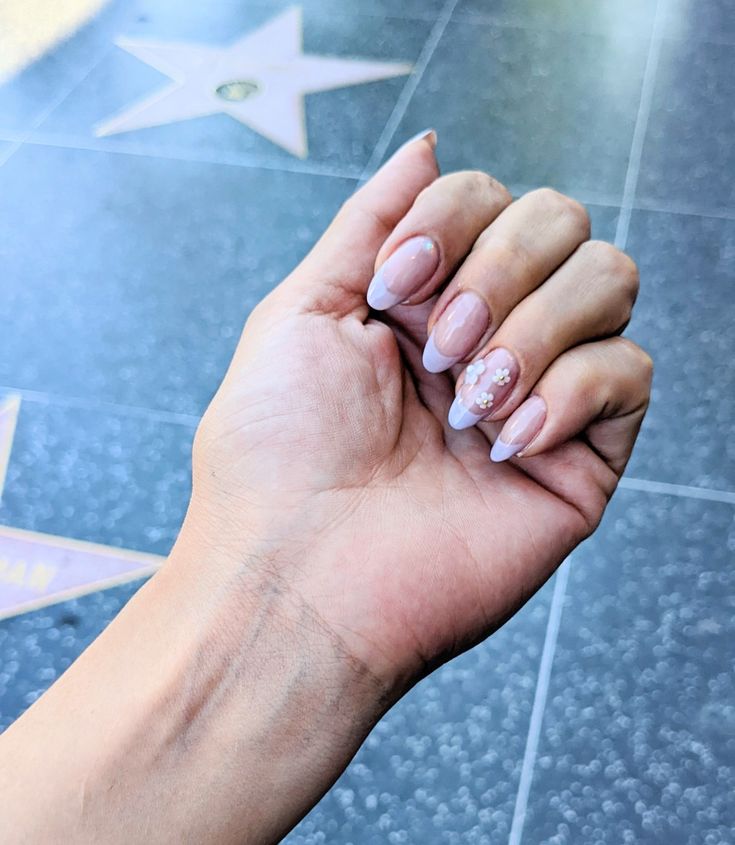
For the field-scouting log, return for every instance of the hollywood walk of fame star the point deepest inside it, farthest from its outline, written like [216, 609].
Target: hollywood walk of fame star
[37, 570]
[259, 80]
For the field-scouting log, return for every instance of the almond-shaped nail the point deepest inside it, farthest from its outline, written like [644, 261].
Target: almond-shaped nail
[457, 332]
[520, 429]
[485, 385]
[410, 267]
[428, 134]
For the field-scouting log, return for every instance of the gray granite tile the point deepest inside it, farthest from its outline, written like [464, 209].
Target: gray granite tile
[443, 765]
[688, 157]
[96, 475]
[604, 221]
[36, 648]
[684, 318]
[638, 738]
[343, 125]
[629, 17]
[533, 107]
[693, 21]
[134, 289]
[121, 481]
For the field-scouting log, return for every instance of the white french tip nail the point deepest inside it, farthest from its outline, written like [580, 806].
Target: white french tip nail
[502, 451]
[460, 417]
[428, 134]
[379, 298]
[434, 361]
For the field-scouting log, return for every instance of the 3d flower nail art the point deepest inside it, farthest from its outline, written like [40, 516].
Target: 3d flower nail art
[502, 376]
[473, 372]
[486, 385]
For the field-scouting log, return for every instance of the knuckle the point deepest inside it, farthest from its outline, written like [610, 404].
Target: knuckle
[610, 262]
[640, 361]
[486, 187]
[564, 206]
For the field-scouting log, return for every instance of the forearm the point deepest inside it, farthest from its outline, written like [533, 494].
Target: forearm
[204, 713]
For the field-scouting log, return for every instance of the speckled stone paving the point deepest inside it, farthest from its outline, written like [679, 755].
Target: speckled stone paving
[604, 713]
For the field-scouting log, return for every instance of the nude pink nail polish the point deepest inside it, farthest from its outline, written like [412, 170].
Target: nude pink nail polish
[457, 332]
[485, 385]
[520, 429]
[410, 267]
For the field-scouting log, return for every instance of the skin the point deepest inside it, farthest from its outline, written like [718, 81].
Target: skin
[342, 540]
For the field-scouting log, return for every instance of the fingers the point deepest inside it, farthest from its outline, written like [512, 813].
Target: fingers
[435, 235]
[601, 389]
[514, 255]
[335, 275]
[590, 296]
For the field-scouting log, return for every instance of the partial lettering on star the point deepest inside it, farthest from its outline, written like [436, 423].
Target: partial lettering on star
[260, 80]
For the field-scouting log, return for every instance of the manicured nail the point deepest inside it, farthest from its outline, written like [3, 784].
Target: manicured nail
[428, 134]
[485, 386]
[520, 429]
[457, 332]
[410, 266]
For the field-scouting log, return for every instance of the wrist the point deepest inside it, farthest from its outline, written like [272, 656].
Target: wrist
[262, 676]
[212, 686]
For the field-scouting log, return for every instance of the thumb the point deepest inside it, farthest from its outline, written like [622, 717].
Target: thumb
[334, 277]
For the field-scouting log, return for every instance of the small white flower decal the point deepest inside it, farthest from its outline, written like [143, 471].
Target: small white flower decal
[484, 400]
[502, 376]
[473, 372]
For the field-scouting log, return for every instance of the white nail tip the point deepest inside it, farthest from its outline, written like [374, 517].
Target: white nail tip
[459, 417]
[379, 297]
[419, 136]
[434, 361]
[502, 451]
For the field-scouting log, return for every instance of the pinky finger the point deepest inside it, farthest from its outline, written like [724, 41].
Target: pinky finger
[598, 389]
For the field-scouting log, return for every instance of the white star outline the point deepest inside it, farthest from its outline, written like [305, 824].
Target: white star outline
[271, 56]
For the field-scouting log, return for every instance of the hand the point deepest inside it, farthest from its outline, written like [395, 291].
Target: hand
[327, 461]
[342, 537]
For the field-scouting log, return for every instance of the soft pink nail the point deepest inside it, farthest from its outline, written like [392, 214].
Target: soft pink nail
[457, 332]
[410, 267]
[485, 386]
[520, 429]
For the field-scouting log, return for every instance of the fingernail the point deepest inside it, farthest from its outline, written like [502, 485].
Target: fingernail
[410, 266]
[485, 386]
[520, 429]
[428, 134]
[457, 332]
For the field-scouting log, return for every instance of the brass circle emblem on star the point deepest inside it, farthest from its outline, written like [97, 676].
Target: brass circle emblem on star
[236, 92]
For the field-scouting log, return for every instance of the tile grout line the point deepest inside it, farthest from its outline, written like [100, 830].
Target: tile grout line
[57, 401]
[52, 106]
[111, 148]
[562, 577]
[188, 420]
[641, 128]
[409, 89]
[684, 491]
[327, 171]
[539, 702]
